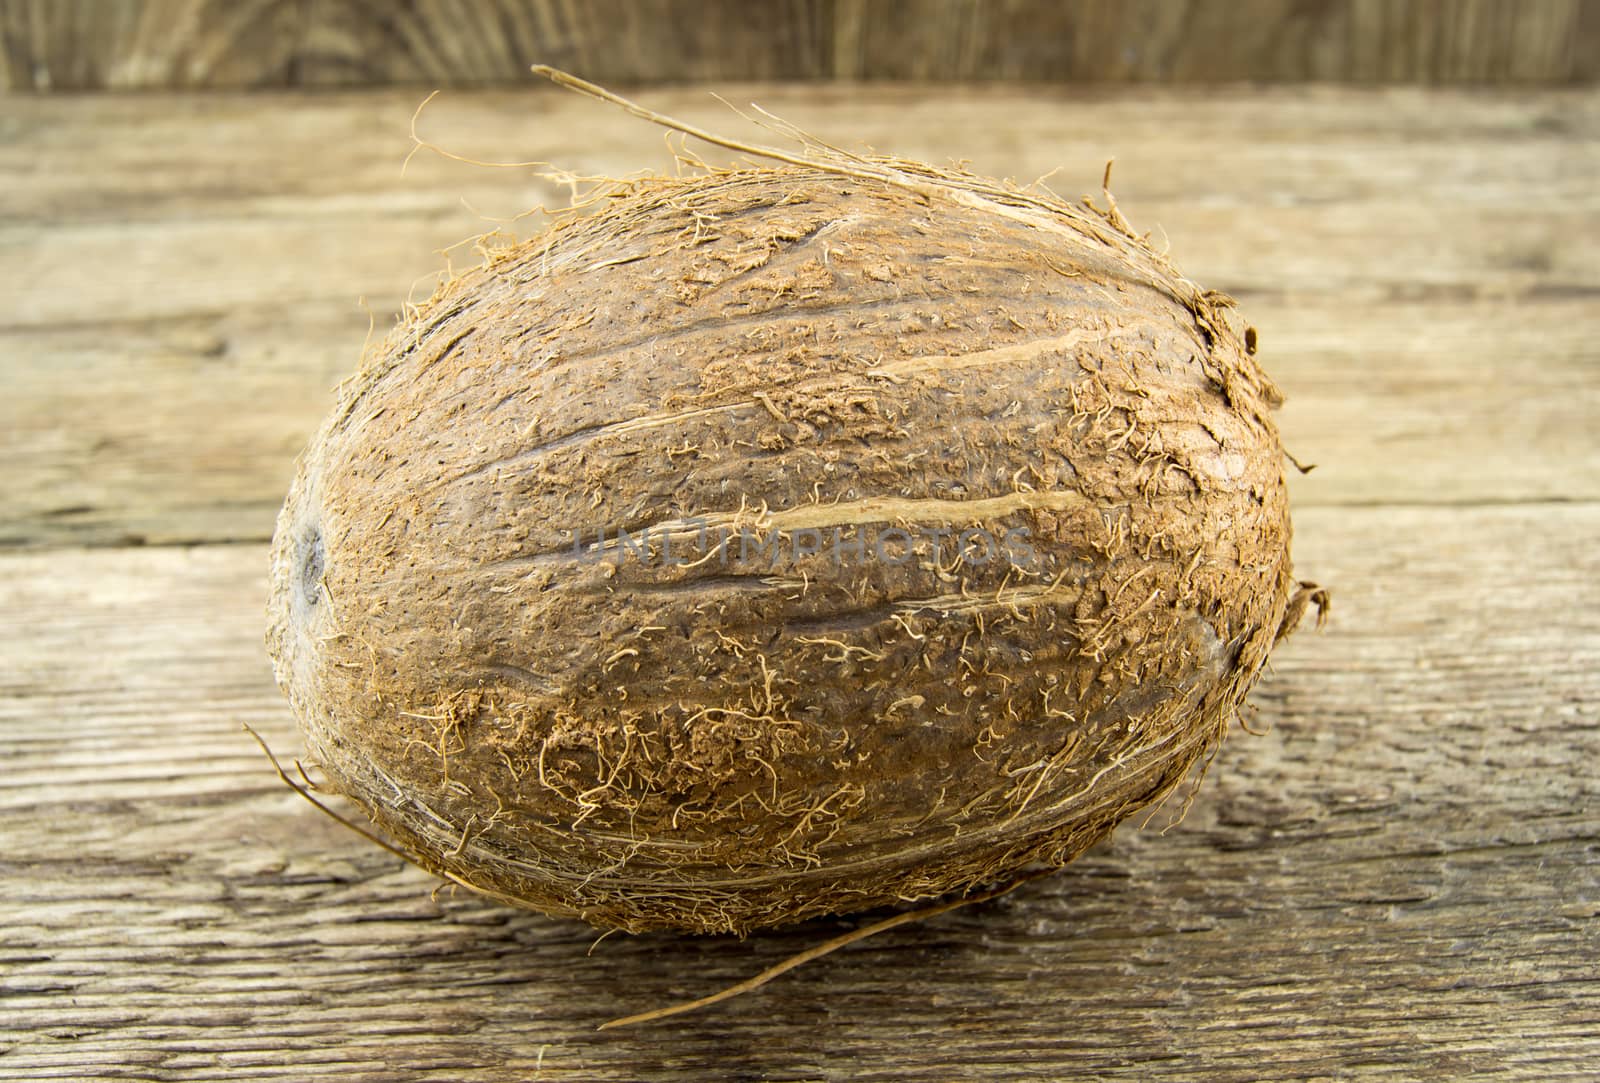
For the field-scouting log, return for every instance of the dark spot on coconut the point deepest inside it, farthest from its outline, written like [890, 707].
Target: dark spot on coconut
[1250, 340]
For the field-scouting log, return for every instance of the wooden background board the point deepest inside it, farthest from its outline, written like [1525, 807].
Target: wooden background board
[1400, 880]
[142, 44]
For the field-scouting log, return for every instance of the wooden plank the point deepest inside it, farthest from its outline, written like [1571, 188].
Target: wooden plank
[1399, 881]
[193, 267]
[1585, 34]
[467, 43]
[168, 44]
[167, 430]
[109, 159]
[54, 45]
[1425, 41]
[214, 44]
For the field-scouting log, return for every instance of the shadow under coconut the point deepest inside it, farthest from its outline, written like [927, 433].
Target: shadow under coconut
[1105, 964]
[920, 963]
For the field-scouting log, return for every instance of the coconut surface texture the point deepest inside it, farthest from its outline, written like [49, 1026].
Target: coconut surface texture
[956, 532]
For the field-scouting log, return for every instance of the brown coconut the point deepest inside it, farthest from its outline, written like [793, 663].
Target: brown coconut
[734, 716]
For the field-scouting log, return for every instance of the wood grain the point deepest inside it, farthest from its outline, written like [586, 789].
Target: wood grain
[212, 44]
[66, 45]
[1399, 881]
[465, 43]
[1423, 267]
[1416, 41]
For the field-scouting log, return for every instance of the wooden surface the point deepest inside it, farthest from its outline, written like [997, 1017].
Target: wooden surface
[134, 44]
[1400, 880]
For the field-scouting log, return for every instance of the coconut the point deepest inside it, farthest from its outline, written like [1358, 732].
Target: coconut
[771, 542]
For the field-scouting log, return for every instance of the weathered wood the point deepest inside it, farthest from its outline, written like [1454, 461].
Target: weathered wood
[455, 43]
[1398, 881]
[213, 44]
[146, 44]
[190, 267]
[50, 45]
[1423, 41]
